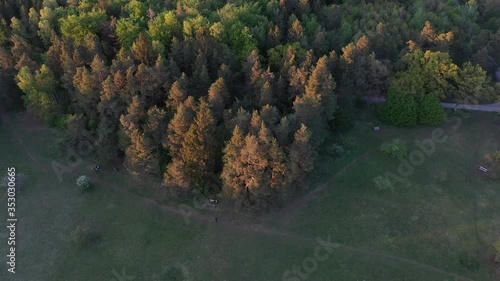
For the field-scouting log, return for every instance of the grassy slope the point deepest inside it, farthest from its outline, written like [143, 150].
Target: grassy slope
[427, 222]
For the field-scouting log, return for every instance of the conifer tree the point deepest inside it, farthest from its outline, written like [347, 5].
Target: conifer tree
[301, 156]
[218, 96]
[139, 155]
[232, 169]
[177, 93]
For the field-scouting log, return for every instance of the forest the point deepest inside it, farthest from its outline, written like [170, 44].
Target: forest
[236, 97]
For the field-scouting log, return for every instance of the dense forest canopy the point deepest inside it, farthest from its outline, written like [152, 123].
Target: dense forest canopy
[236, 96]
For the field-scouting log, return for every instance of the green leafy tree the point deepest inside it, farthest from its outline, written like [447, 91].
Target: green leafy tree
[79, 26]
[472, 84]
[427, 73]
[39, 90]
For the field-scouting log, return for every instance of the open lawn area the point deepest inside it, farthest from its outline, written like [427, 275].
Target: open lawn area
[439, 224]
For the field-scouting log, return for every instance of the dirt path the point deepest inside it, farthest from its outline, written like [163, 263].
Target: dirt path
[492, 107]
[242, 225]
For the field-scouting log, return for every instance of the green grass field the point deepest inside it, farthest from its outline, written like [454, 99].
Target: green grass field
[419, 231]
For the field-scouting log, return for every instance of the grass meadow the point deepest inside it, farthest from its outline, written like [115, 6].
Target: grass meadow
[444, 216]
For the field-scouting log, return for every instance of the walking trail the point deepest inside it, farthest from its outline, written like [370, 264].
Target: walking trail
[492, 107]
[241, 226]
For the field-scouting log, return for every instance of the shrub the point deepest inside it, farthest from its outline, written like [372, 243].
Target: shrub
[83, 183]
[469, 262]
[174, 273]
[430, 112]
[80, 237]
[348, 142]
[442, 176]
[383, 183]
[336, 150]
[396, 148]
[492, 161]
[399, 109]
[497, 247]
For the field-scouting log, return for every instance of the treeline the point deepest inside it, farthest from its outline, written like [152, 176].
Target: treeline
[235, 95]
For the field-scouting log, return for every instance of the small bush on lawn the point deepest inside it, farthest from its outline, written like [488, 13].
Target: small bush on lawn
[83, 183]
[396, 148]
[174, 273]
[336, 150]
[80, 237]
[497, 247]
[492, 161]
[383, 183]
[347, 142]
[469, 262]
[442, 176]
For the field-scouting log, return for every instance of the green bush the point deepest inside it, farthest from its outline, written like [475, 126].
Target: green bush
[469, 262]
[399, 109]
[497, 247]
[396, 148]
[492, 162]
[80, 237]
[83, 183]
[336, 150]
[442, 176]
[430, 111]
[347, 142]
[383, 183]
[174, 273]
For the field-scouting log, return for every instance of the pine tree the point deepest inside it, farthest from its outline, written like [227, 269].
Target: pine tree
[253, 72]
[143, 50]
[139, 155]
[178, 127]
[242, 120]
[132, 120]
[200, 76]
[177, 93]
[321, 85]
[296, 33]
[200, 145]
[278, 166]
[156, 125]
[283, 131]
[218, 96]
[301, 155]
[233, 167]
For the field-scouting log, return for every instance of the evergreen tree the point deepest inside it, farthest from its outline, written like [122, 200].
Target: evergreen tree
[139, 155]
[218, 97]
[233, 167]
[177, 93]
[430, 112]
[301, 156]
[399, 109]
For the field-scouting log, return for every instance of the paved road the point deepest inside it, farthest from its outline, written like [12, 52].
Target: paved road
[493, 107]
